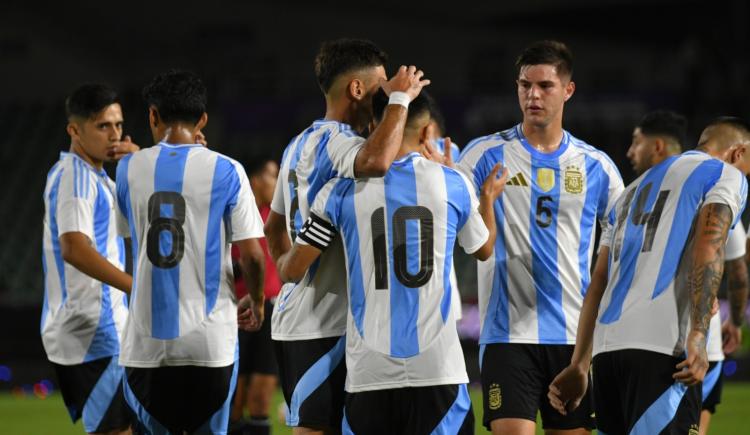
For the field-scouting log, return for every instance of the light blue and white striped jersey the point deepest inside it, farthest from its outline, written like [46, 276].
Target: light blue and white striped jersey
[316, 306]
[642, 307]
[398, 234]
[82, 318]
[532, 289]
[439, 145]
[183, 205]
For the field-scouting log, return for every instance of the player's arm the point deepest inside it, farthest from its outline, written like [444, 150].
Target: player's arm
[569, 386]
[314, 237]
[276, 235]
[491, 189]
[77, 250]
[252, 263]
[737, 292]
[380, 148]
[705, 262]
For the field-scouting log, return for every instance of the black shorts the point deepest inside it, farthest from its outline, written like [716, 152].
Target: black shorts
[256, 351]
[181, 398]
[712, 385]
[634, 393]
[93, 391]
[443, 409]
[515, 382]
[312, 375]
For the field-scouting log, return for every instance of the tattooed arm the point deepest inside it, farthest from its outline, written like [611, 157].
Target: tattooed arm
[705, 264]
[737, 291]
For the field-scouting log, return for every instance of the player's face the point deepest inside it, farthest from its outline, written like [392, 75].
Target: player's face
[98, 135]
[264, 182]
[640, 152]
[542, 94]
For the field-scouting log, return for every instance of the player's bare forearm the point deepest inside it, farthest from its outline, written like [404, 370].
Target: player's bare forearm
[253, 265]
[707, 263]
[486, 210]
[381, 148]
[737, 289]
[293, 265]
[276, 236]
[77, 250]
[589, 311]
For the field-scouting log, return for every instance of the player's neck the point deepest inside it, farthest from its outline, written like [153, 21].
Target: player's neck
[408, 147]
[78, 150]
[177, 134]
[543, 138]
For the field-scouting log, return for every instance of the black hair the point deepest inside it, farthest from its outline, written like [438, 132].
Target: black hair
[664, 123]
[418, 107]
[255, 164]
[177, 95]
[344, 55]
[547, 52]
[436, 114]
[732, 121]
[89, 99]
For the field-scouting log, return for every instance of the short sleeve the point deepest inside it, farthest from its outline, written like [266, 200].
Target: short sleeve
[76, 200]
[342, 149]
[246, 222]
[730, 189]
[277, 203]
[735, 243]
[474, 234]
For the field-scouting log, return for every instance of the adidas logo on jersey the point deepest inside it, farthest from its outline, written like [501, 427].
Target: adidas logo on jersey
[518, 180]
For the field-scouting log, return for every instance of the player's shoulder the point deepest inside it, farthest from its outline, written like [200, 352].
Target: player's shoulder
[481, 146]
[591, 151]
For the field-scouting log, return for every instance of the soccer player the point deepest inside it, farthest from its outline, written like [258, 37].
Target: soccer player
[258, 372]
[184, 205]
[657, 137]
[84, 307]
[405, 367]
[647, 311]
[531, 292]
[309, 318]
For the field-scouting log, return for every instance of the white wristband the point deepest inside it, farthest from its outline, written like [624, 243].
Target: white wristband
[401, 98]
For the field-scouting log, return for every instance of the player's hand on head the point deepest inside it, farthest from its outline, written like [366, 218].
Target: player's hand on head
[693, 369]
[494, 184]
[408, 80]
[567, 389]
[124, 147]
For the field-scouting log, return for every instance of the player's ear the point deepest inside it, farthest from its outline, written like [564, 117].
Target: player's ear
[202, 122]
[659, 146]
[570, 88]
[738, 153]
[73, 130]
[356, 89]
[153, 117]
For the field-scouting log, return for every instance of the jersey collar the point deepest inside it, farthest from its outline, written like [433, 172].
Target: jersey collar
[403, 160]
[540, 155]
[100, 172]
[179, 145]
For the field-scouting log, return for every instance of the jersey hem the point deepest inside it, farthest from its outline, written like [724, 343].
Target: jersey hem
[248, 235]
[77, 361]
[175, 363]
[637, 346]
[407, 384]
[527, 341]
[311, 336]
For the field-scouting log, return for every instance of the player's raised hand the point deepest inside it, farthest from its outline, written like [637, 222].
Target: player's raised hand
[494, 184]
[693, 369]
[408, 80]
[568, 388]
[123, 147]
[249, 314]
[448, 152]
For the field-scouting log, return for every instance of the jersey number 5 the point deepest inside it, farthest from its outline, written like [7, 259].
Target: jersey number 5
[400, 258]
[171, 204]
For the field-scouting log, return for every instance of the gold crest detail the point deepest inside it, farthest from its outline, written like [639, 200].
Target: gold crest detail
[545, 179]
[494, 398]
[693, 430]
[573, 180]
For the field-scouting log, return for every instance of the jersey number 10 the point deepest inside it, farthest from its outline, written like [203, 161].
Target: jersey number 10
[400, 258]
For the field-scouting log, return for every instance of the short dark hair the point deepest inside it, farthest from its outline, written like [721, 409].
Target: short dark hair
[732, 121]
[344, 55]
[436, 114]
[89, 99]
[418, 107]
[547, 52]
[177, 95]
[664, 123]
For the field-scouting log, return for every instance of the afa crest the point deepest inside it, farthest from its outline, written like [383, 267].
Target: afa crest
[545, 179]
[494, 397]
[573, 180]
[693, 429]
